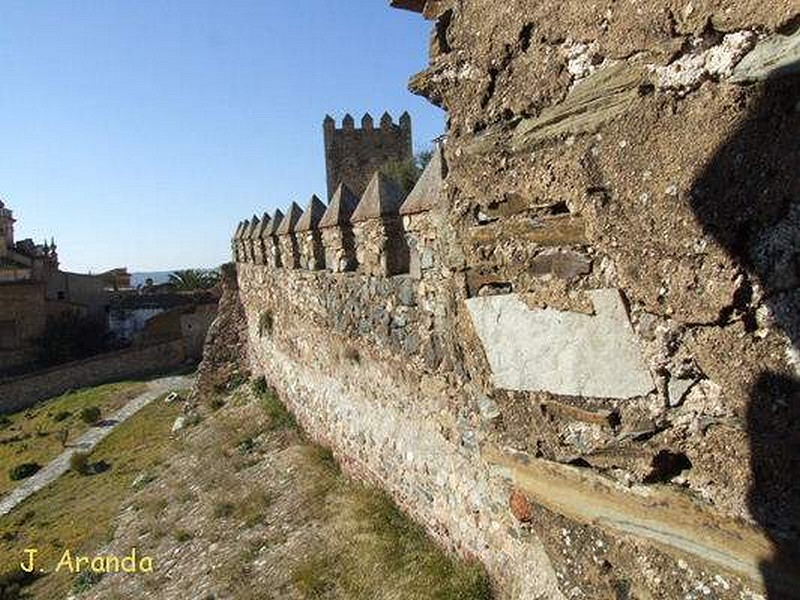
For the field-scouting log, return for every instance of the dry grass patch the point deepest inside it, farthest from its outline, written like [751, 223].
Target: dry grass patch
[77, 511]
[248, 508]
[36, 435]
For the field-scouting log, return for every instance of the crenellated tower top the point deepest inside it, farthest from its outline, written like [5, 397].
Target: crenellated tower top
[353, 154]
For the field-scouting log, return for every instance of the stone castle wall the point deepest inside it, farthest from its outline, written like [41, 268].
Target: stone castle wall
[585, 373]
[22, 392]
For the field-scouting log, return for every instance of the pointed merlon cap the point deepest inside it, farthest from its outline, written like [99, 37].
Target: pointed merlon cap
[262, 228]
[386, 121]
[239, 229]
[275, 223]
[426, 192]
[311, 218]
[405, 120]
[382, 198]
[245, 230]
[341, 208]
[254, 223]
[348, 122]
[367, 122]
[289, 223]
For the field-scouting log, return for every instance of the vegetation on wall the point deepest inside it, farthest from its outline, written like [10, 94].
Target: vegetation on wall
[406, 173]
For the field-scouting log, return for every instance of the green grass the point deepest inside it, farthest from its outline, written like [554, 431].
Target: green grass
[377, 551]
[77, 511]
[32, 436]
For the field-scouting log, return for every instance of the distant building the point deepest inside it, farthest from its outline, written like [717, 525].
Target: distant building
[116, 279]
[32, 288]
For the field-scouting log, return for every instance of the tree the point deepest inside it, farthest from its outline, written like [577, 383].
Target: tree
[70, 336]
[194, 279]
[406, 173]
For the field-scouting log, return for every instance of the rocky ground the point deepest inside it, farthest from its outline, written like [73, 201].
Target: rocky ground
[247, 507]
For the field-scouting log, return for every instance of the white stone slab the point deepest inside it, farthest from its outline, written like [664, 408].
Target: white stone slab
[565, 353]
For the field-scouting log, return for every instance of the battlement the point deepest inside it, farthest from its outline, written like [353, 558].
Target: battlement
[353, 154]
[383, 232]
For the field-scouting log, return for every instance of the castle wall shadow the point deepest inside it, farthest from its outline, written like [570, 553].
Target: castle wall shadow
[748, 199]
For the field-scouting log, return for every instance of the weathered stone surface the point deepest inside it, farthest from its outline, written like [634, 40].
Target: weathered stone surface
[313, 214]
[565, 264]
[677, 389]
[275, 222]
[353, 155]
[289, 222]
[776, 56]
[382, 198]
[340, 209]
[560, 352]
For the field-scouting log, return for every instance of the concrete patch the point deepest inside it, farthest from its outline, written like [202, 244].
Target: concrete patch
[562, 352]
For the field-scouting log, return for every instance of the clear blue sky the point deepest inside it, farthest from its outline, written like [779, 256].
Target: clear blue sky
[138, 132]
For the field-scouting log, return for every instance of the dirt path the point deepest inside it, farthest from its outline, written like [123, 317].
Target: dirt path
[88, 441]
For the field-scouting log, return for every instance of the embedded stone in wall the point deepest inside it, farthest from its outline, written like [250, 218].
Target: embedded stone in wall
[381, 248]
[566, 353]
[337, 231]
[287, 238]
[777, 55]
[272, 246]
[309, 237]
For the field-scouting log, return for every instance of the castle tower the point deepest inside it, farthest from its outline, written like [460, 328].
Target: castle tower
[353, 155]
[6, 229]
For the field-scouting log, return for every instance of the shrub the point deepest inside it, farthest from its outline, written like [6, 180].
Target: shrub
[260, 386]
[266, 322]
[4, 421]
[181, 535]
[61, 416]
[90, 415]
[223, 510]
[23, 471]
[352, 354]
[216, 403]
[279, 416]
[79, 462]
[12, 584]
[85, 580]
[70, 336]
